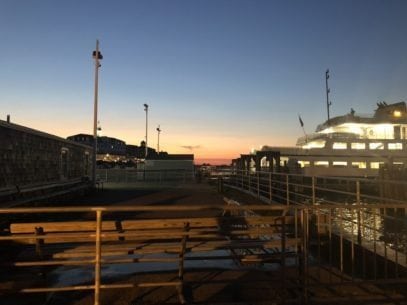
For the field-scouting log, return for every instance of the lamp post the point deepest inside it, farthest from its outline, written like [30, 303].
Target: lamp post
[158, 140]
[96, 55]
[146, 110]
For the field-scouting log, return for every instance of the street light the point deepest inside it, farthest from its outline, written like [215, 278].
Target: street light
[96, 55]
[158, 141]
[146, 110]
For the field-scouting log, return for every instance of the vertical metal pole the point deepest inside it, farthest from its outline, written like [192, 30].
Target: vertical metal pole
[270, 189]
[374, 245]
[98, 256]
[287, 189]
[158, 139]
[249, 186]
[95, 112]
[304, 257]
[353, 244]
[341, 241]
[358, 213]
[146, 148]
[258, 185]
[283, 251]
[330, 245]
[313, 190]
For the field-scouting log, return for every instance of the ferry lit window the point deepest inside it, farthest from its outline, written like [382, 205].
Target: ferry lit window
[358, 145]
[304, 164]
[394, 146]
[397, 113]
[339, 145]
[283, 161]
[376, 145]
[359, 164]
[375, 165]
[315, 144]
[339, 164]
[321, 163]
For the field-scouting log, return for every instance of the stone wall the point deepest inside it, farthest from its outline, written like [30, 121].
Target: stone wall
[30, 157]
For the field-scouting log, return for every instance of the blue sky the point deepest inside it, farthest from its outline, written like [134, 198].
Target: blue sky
[226, 76]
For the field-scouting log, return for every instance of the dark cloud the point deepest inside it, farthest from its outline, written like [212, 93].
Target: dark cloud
[190, 147]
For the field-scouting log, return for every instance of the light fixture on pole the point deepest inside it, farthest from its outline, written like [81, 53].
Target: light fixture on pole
[96, 55]
[158, 140]
[146, 110]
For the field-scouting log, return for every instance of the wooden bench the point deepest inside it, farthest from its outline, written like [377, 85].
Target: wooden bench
[245, 239]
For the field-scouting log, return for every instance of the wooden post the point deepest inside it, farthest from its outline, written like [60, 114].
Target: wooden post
[39, 242]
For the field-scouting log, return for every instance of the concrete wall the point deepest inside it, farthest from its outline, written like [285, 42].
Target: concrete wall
[187, 165]
[30, 157]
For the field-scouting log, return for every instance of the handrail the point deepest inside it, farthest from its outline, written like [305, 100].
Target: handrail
[98, 235]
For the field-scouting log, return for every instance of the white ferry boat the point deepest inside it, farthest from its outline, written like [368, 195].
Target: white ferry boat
[351, 145]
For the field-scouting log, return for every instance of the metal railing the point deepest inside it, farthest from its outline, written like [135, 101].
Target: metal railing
[370, 212]
[100, 236]
[330, 252]
[141, 175]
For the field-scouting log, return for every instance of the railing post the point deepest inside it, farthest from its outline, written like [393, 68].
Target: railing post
[249, 186]
[98, 256]
[358, 213]
[181, 264]
[313, 190]
[287, 189]
[270, 189]
[258, 184]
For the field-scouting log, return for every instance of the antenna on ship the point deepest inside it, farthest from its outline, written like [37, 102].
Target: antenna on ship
[328, 102]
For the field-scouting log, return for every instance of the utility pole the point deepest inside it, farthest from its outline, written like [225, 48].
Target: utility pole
[96, 56]
[146, 110]
[328, 103]
[158, 140]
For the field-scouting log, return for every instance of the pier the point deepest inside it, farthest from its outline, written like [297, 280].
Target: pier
[237, 238]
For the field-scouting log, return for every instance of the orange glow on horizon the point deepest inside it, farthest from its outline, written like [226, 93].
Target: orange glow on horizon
[214, 149]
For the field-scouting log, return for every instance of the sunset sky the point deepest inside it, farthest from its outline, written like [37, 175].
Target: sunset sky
[221, 77]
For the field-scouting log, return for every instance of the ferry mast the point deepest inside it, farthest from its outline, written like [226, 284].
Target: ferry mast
[328, 103]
